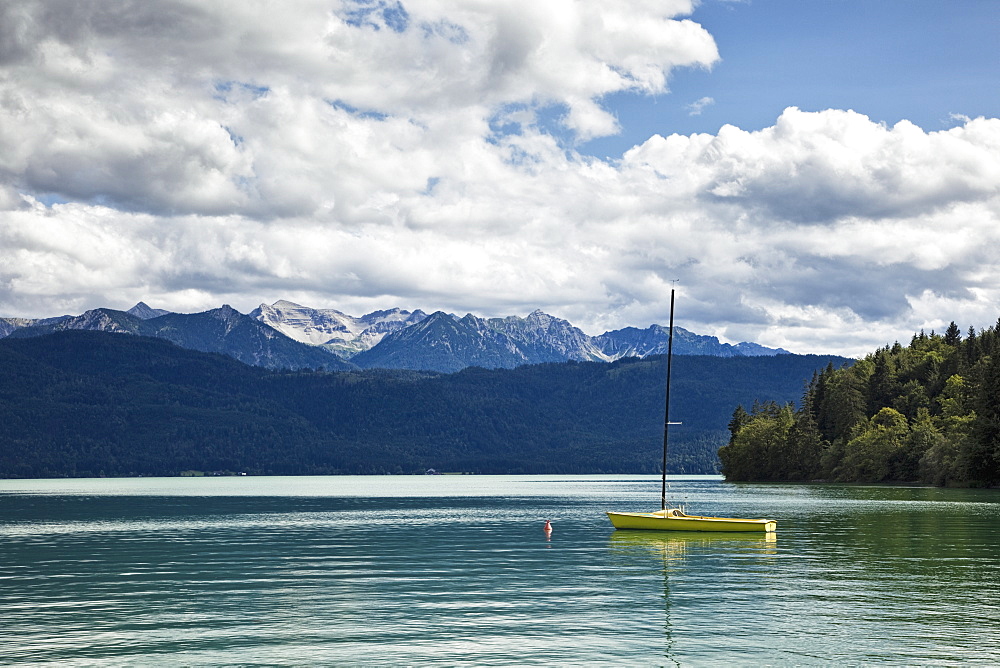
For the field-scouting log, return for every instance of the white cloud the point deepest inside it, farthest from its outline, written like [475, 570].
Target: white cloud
[820, 167]
[233, 107]
[696, 107]
[369, 155]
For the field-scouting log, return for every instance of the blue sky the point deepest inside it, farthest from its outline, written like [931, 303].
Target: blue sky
[920, 60]
[838, 188]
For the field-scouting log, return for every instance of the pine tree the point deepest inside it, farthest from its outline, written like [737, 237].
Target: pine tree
[883, 387]
[971, 347]
[739, 420]
[984, 457]
[953, 335]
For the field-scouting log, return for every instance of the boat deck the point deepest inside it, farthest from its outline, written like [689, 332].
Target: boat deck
[675, 520]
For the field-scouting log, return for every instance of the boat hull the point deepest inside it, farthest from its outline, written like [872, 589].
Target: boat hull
[660, 521]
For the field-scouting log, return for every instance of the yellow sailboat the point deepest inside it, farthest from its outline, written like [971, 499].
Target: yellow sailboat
[675, 519]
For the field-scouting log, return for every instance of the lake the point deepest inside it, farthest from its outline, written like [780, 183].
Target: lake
[456, 570]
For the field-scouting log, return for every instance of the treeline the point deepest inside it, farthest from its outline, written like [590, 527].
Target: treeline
[928, 412]
[91, 403]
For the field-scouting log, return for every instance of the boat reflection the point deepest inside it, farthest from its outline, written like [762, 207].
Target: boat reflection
[678, 542]
[672, 553]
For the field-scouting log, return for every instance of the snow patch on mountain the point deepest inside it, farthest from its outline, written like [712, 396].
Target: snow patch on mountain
[340, 333]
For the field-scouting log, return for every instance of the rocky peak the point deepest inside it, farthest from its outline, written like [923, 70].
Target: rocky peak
[227, 314]
[541, 317]
[285, 304]
[144, 312]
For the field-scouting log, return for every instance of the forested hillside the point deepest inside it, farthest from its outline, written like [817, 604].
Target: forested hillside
[85, 403]
[927, 412]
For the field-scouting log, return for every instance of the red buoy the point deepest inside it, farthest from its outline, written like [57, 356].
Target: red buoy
[548, 527]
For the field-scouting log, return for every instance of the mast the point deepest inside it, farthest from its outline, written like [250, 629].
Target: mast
[666, 412]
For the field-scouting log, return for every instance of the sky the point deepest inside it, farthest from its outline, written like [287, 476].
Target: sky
[821, 176]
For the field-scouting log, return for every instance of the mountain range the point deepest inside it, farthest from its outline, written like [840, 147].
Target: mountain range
[223, 330]
[285, 335]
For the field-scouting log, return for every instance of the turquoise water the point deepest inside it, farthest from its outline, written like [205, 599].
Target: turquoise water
[456, 570]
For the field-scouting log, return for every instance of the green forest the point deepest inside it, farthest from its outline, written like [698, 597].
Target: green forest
[97, 404]
[927, 412]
